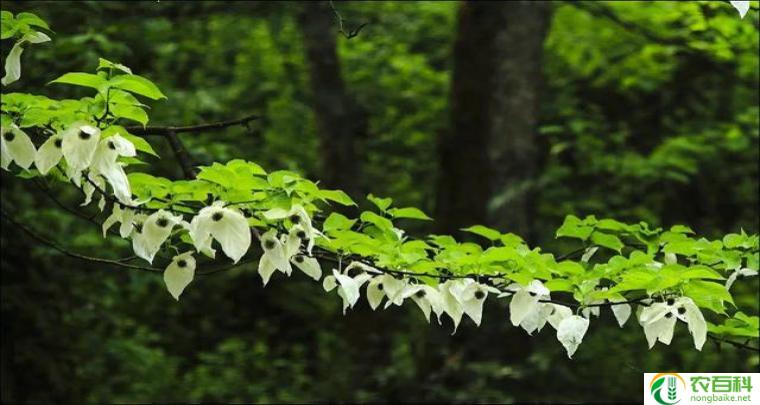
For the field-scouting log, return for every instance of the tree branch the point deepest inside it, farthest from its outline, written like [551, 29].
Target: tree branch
[351, 33]
[737, 345]
[182, 155]
[165, 130]
[39, 238]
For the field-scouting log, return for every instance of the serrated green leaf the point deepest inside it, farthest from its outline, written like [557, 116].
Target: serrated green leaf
[409, 212]
[707, 294]
[138, 85]
[381, 203]
[607, 240]
[573, 227]
[104, 64]
[337, 222]
[31, 19]
[484, 231]
[83, 79]
[337, 196]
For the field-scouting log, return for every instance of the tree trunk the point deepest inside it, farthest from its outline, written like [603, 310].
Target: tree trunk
[341, 123]
[488, 157]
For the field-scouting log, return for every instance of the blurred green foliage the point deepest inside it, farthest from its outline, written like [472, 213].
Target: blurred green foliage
[659, 126]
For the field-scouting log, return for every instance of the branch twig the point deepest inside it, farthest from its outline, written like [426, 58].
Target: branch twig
[166, 130]
[351, 33]
[182, 155]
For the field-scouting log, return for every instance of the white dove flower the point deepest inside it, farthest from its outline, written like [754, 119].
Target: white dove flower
[275, 256]
[745, 272]
[382, 286]
[558, 314]
[471, 295]
[105, 164]
[179, 273]
[450, 304]
[226, 225]
[15, 146]
[123, 216]
[307, 264]
[78, 145]
[49, 154]
[155, 230]
[621, 311]
[426, 297]
[741, 6]
[659, 320]
[89, 187]
[526, 300]
[13, 60]
[570, 332]
[348, 287]
[298, 217]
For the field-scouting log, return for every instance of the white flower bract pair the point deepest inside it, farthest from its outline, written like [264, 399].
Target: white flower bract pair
[155, 230]
[225, 225]
[179, 273]
[15, 146]
[660, 318]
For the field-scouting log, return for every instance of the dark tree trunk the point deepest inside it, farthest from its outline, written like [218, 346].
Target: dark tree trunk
[488, 157]
[341, 123]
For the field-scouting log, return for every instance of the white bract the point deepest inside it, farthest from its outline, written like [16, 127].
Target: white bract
[348, 287]
[226, 225]
[105, 164]
[620, 309]
[123, 216]
[308, 265]
[526, 300]
[739, 272]
[659, 321]
[49, 154]
[179, 273]
[15, 146]
[79, 143]
[426, 297]
[275, 256]
[471, 295]
[741, 6]
[299, 218]
[383, 286]
[13, 60]
[155, 230]
[571, 331]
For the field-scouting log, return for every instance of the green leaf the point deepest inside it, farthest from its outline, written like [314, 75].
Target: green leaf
[384, 224]
[9, 26]
[409, 212]
[83, 79]
[217, 173]
[607, 240]
[570, 268]
[559, 284]
[681, 229]
[105, 64]
[381, 203]
[484, 231]
[336, 195]
[707, 294]
[32, 19]
[612, 225]
[573, 227]
[130, 112]
[337, 222]
[138, 85]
